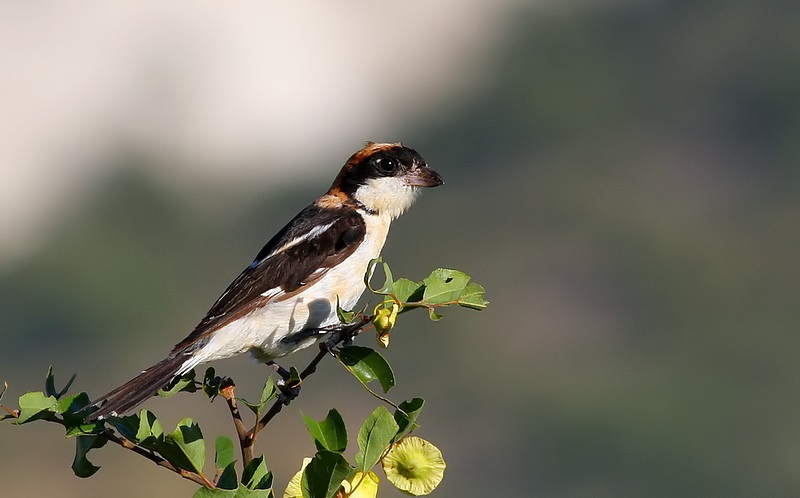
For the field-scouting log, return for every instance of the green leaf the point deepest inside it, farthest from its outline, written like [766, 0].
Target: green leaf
[127, 426]
[50, 384]
[387, 283]
[345, 316]
[224, 454]
[184, 447]
[472, 297]
[149, 428]
[324, 474]
[240, 492]
[183, 383]
[243, 492]
[406, 416]
[374, 437]
[444, 286]
[407, 291]
[215, 493]
[72, 409]
[227, 477]
[73, 403]
[34, 406]
[329, 434]
[211, 383]
[81, 466]
[269, 392]
[433, 315]
[225, 463]
[256, 475]
[367, 365]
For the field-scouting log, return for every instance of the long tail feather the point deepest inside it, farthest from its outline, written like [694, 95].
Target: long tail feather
[137, 390]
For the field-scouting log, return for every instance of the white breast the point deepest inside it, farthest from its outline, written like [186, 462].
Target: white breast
[261, 331]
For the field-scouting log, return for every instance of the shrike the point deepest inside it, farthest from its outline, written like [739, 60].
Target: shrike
[284, 300]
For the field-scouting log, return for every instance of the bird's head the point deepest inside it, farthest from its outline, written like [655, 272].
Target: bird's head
[385, 178]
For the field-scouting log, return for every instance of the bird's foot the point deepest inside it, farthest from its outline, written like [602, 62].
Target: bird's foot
[339, 334]
[288, 384]
[288, 392]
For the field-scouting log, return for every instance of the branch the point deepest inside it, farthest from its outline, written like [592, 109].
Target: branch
[108, 435]
[161, 462]
[341, 334]
[245, 439]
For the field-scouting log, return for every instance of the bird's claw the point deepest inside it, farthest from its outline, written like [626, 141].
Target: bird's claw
[343, 335]
[288, 391]
[288, 386]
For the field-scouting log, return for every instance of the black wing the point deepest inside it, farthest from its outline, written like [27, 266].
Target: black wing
[316, 240]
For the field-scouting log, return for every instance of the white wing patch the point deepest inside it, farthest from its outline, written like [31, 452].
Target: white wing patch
[314, 232]
[272, 293]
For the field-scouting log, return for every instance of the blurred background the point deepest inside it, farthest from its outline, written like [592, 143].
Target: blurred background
[622, 177]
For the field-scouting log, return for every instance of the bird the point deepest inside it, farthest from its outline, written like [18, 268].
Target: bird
[287, 298]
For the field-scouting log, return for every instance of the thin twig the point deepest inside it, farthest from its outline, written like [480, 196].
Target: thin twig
[245, 439]
[161, 462]
[278, 405]
[347, 332]
[13, 413]
[108, 435]
[275, 409]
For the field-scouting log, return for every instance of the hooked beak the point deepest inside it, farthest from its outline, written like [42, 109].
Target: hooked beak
[423, 176]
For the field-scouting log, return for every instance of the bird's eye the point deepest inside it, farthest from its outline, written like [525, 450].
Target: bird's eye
[385, 164]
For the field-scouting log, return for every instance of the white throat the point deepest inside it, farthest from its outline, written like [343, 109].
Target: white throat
[388, 196]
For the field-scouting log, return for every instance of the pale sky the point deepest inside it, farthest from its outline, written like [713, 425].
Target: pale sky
[228, 88]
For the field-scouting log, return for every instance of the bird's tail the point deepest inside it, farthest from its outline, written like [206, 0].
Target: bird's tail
[138, 389]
